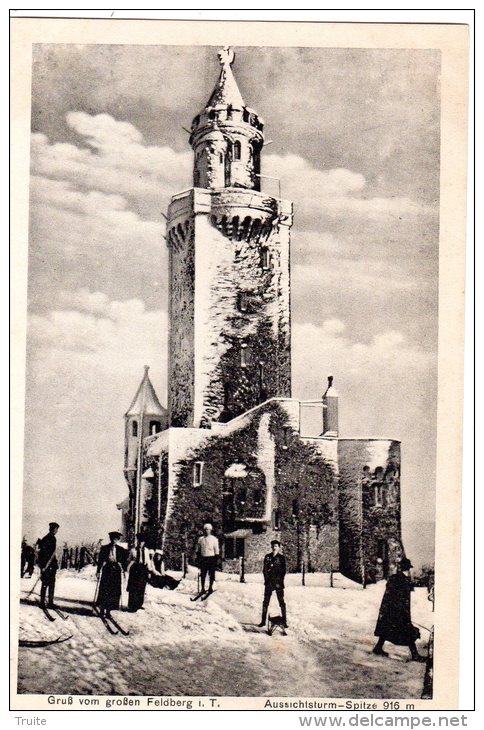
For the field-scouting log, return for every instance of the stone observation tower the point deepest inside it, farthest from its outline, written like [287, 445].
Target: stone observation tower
[235, 448]
[229, 300]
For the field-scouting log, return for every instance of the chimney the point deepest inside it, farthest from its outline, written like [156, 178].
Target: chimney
[330, 410]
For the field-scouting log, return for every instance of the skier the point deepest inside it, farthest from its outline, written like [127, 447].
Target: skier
[394, 622]
[208, 551]
[139, 569]
[27, 560]
[111, 565]
[274, 571]
[47, 562]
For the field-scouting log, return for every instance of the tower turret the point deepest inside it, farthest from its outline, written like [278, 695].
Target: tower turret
[145, 417]
[229, 342]
[226, 136]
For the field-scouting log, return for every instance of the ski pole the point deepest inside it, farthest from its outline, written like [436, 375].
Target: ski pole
[41, 574]
[422, 627]
[96, 591]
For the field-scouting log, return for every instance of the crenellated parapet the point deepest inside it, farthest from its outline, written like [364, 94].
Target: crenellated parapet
[238, 214]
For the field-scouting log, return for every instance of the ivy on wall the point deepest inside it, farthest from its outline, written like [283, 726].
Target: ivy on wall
[302, 476]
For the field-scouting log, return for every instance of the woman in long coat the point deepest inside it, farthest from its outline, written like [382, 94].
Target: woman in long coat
[111, 565]
[139, 570]
[394, 621]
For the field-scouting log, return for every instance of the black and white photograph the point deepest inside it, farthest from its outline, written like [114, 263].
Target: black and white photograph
[229, 483]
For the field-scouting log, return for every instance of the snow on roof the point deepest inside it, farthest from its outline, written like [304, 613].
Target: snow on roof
[159, 443]
[146, 400]
[226, 91]
[236, 471]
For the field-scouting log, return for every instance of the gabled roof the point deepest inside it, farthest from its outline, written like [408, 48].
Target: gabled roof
[226, 91]
[146, 400]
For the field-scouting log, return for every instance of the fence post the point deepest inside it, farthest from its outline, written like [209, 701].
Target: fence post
[303, 573]
[242, 569]
[331, 575]
[184, 564]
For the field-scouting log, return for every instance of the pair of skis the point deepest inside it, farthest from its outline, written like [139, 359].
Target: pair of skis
[202, 595]
[111, 624]
[56, 610]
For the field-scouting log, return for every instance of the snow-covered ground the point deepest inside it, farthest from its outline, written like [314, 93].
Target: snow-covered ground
[179, 647]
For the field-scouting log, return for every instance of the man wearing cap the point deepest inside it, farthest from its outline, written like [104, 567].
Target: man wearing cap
[274, 571]
[394, 621]
[111, 564]
[208, 551]
[47, 562]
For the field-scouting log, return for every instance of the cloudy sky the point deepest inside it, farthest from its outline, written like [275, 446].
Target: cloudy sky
[355, 142]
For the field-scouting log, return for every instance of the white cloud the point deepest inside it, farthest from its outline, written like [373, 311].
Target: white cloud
[384, 356]
[110, 337]
[119, 163]
[319, 194]
[333, 326]
[105, 201]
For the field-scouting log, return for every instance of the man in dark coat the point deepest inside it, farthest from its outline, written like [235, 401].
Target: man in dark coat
[394, 621]
[111, 565]
[274, 571]
[47, 561]
[27, 560]
[139, 566]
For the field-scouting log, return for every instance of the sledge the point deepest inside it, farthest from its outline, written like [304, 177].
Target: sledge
[37, 644]
[275, 623]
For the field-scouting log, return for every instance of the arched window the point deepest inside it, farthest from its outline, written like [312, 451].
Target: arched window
[134, 428]
[155, 427]
[221, 157]
[236, 150]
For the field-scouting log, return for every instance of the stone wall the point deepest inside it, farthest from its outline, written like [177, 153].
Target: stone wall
[297, 488]
[229, 304]
[181, 331]
[369, 469]
[242, 330]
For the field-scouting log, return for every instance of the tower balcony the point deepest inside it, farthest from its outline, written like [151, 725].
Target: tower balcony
[228, 208]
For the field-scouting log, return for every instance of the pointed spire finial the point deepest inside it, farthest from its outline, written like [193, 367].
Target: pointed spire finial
[147, 367]
[226, 56]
